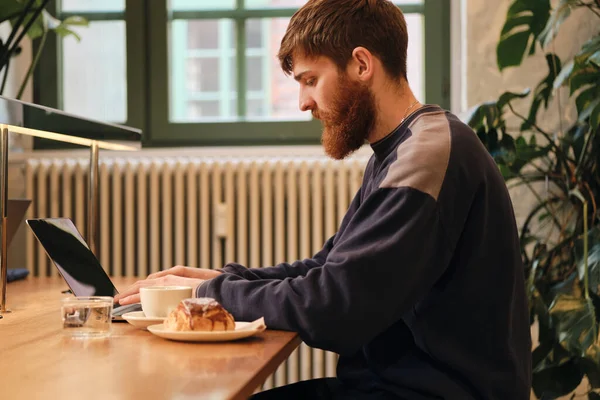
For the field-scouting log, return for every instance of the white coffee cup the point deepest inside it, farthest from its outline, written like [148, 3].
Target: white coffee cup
[158, 301]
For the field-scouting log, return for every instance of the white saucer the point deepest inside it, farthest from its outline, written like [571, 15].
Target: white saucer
[242, 330]
[139, 319]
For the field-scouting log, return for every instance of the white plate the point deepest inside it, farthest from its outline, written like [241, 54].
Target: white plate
[242, 330]
[139, 320]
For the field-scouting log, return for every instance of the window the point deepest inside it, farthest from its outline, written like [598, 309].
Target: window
[204, 72]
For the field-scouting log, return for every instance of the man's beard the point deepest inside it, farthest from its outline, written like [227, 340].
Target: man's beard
[350, 121]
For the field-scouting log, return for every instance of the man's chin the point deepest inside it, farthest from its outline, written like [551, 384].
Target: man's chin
[335, 147]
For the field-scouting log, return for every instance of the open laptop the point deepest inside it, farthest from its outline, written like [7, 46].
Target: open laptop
[75, 261]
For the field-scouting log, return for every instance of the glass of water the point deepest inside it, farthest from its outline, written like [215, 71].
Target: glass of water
[87, 316]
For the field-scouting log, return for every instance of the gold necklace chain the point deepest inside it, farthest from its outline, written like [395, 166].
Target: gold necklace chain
[407, 110]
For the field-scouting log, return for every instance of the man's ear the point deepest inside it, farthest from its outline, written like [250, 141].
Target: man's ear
[361, 67]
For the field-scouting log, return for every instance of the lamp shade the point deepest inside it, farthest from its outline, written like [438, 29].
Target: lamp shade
[40, 118]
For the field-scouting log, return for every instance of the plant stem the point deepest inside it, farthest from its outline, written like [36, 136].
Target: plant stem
[33, 64]
[584, 151]
[7, 65]
[539, 199]
[590, 6]
[586, 281]
[31, 21]
[540, 130]
[594, 205]
[559, 153]
[16, 25]
[529, 218]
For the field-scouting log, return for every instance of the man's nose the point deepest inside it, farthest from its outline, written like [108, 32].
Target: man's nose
[306, 103]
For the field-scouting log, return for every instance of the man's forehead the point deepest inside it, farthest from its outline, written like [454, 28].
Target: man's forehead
[302, 63]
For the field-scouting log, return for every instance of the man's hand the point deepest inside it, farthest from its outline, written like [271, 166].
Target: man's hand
[187, 272]
[176, 276]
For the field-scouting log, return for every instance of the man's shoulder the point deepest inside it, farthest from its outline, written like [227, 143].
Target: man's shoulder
[422, 159]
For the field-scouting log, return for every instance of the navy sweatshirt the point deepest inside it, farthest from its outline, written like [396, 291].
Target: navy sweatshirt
[421, 291]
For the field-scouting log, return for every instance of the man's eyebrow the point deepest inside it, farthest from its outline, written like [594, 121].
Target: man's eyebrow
[298, 77]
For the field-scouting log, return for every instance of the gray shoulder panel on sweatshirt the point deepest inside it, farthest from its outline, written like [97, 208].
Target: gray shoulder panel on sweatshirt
[422, 160]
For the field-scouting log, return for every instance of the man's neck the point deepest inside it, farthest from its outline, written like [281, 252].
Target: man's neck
[393, 105]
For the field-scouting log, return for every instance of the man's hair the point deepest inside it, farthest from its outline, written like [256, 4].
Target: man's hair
[334, 28]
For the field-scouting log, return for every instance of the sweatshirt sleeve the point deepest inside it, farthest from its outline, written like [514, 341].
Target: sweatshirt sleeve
[283, 270]
[298, 268]
[391, 253]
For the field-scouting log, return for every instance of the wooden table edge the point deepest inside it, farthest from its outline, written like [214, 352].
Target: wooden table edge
[248, 389]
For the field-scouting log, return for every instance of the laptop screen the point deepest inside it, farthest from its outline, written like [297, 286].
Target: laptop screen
[71, 255]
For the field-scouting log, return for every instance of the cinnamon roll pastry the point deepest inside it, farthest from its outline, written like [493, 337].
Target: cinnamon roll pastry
[200, 314]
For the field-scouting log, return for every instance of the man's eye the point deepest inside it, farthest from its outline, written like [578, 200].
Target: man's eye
[310, 82]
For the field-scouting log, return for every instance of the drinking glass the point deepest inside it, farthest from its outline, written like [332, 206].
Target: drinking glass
[87, 316]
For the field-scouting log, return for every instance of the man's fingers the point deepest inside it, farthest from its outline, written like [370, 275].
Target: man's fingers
[135, 288]
[130, 300]
[178, 270]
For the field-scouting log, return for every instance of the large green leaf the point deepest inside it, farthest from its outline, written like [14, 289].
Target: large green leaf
[589, 110]
[587, 101]
[9, 8]
[574, 319]
[543, 91]
[556, 381]
[546, 331]
[488, 115]
[590, 365]
[525, 20]
[595, 58]
[582, 67]
[557, 356]
[595, 118]
[558, 16]
[485, 115]
[584, 75]
[63, 28]
[593, 259]
[575, 139]
[564, 75]
[506, 97]
[589, 49]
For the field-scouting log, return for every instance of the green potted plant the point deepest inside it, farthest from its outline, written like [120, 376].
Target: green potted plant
[560, 237]
[29, 18]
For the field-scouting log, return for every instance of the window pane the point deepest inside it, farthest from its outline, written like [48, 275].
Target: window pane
[415, 55]
[275, 3]
[254, 73]
[198, 110]
[254, 34]
[202, 34]
[203, 73]
[255, 108]
[300, 3]
[196, 5]
[93, 5]
[94, 72]
[276, 93]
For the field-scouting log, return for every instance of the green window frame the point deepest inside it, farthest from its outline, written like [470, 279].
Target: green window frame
[149, 91]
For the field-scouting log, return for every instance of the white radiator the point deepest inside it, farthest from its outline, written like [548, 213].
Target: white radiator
[202, 212]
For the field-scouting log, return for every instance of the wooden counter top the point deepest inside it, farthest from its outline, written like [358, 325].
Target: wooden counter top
[38, 361]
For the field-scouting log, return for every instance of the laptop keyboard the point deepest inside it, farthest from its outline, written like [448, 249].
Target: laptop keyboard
[120, 310]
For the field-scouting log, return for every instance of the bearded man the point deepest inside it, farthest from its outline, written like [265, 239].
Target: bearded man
[421, 290]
